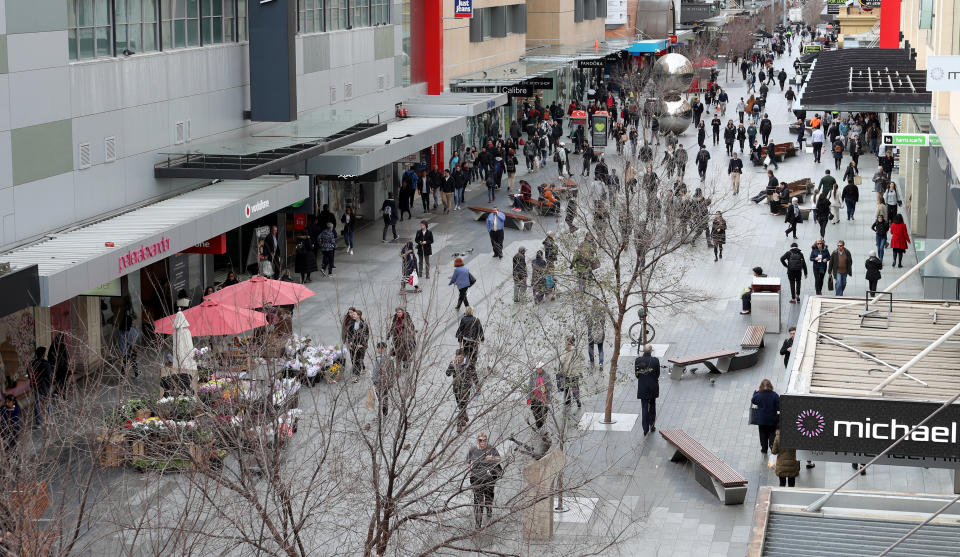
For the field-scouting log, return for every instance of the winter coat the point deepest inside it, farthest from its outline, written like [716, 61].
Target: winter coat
[793, 260]
[571, 363]
[835, 262]
[793, 214]
[596, 322]
[460, 277]
[899, 238]
[305, 261]
[404, 336]
[393, 215]
[880, 228]
[424, 236]
[328, 240]
[718, 231]
[850, 193]
[470, 330]
[532, 385]
[520, 268]
[873, 266]
[550, 249]
[787, 464]
[647, 370]
[821, 265]
[768, 407]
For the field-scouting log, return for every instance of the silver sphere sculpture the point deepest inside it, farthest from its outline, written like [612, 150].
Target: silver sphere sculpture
[673, 72]
[673, 113]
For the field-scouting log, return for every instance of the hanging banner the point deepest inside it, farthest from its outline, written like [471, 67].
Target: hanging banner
[462, 8]
[911, 140]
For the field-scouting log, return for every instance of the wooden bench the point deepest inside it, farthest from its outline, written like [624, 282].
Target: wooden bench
[30, 502]
[519, 222]
[780, 152]
[712, 473]
[541, 206]
[722, 356]
[751, 344]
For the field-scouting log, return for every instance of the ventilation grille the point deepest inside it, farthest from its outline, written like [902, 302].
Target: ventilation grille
[83, 155]
[110, 149]
[347, 90]
[179, 133]
[381, 82]
[333, 95]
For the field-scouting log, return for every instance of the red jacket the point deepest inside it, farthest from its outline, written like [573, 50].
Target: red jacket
[899, 239]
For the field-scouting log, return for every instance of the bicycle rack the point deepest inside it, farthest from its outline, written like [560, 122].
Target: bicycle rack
[875, 318]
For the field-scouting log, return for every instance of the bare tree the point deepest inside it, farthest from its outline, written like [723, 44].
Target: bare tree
[811, 12]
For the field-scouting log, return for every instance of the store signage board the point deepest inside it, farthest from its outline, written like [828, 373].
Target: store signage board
[518, 90]
[540, 82]
[216, 246]
[462, 8]
[111, 288]
[911, 140]
[596, 63]
[943, 73]
[869, 426]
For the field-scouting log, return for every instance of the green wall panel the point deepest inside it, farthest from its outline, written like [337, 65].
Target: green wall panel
[32, 16]
[41, 151]
[3, 54]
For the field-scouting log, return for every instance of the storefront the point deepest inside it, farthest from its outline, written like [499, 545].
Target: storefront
[483, 113]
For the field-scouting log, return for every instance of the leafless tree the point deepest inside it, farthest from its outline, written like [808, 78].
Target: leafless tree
[811, 12]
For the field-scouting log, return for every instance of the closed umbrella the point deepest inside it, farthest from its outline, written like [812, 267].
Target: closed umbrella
[183, 360]
[259, 291]
[212, 318]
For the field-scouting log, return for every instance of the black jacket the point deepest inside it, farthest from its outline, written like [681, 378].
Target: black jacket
[519, 268]
[794, 257]
[647, 370]
[703, 157]
[873, 265]
[735, 165]
[766, 125]
[788, 343]
[424, 236]
[470, 330]
[729, 134]
[850, 192]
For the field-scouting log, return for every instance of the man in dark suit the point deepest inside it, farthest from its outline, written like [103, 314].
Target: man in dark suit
[647, 370]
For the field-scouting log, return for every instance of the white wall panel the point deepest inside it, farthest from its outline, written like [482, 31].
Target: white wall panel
[3, 16]
[43, 205]
[93, 129]
[6, 168]
[6, 204]
[186, 72]
[146, 128]
[99, 189]
[34, 51]
[40, 96]
[144, 79]
[343, 54]
[96, 87]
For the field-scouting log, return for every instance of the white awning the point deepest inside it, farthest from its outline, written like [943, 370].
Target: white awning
[79, 260]
[403, 137]
[454, 104]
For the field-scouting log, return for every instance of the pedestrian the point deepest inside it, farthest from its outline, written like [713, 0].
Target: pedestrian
[389, 211]
[794, 216]
[718, 231]
[747, 294]
[355, 334]
[834, 194]
[823, 213]
[837, 147]
[483, 466]
[463, 280]
[328, 246]
[463, 371]
[715, 124]
[495, 221]
[891, 198]
[741, 108]
[816, 140]
[647, 370]
[10, 421]
[448, 189]
[404, 336]
[880, 228]
[510, 164]
[520, 275]
[408, 188]
[820, 256]
[766, 128]
[855, 148]
[408, 268]
[539, 393]
[841, 267]
[424, 241]
[470, 334]
[128, 348]
[729, 136]
[703, 157]
[787, 347]
[542, 279]
[850, 193]
[782, 78]
[570, 369]
[899, 239]
[702, 135]
[596, 324]
[787, 467]
[41, 380]
[873, 266]
[767, 402]
[790, 96]
[383, 375]
[460, 180]
[796, 265]
[305, 259]
[680, 162]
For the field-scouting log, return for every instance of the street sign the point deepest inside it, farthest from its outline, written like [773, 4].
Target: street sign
[462, 8]
[911, 140]
[943, 73]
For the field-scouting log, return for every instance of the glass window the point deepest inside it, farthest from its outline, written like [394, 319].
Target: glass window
[229, 21]
[310, 16]
[180, 23]
[90, 29]
[337, 11]
[242, 20]
[379, 12]
[487, 21]
[212, 21]
[136, 25]
[361, 13]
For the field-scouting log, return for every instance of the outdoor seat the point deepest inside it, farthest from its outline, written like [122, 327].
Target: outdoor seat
[713, 474]
[751, 343]
[520, 222]
[722, 356]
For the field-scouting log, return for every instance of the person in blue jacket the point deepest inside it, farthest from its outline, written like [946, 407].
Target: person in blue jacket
[461, 279]
[820, 256]
[768, 413]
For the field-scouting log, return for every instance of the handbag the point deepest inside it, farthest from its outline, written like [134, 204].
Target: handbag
[266, 268]
[473, 279]
[754, 415]
[830, 283]
[857, 180]
[766, 160]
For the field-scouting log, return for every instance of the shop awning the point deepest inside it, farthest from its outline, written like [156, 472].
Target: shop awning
[285, 147]
[867, 80]
[454, 104]
[403, 137]
[21, 289]
[78, 260]
[648, 47]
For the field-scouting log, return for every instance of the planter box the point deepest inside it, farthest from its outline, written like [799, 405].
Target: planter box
[113, 448]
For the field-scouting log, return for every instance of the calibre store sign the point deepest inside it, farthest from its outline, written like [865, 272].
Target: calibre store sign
[868, 426]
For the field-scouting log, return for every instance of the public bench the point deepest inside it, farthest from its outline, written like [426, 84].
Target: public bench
[751, 344]
[780, 152]
[722, 356]
[540, 205]
[712, 473]
[520, 222]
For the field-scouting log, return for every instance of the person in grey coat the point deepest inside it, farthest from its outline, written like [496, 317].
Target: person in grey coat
[647, 370]
[520, 275]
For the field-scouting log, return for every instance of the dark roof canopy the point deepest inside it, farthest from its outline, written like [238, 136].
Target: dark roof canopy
[866, 79]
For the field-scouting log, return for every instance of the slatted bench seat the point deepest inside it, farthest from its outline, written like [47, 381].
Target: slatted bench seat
[542, 207]
[712, 473]
[519, 222]
[751, 344]
[780, 152]
[722, 357]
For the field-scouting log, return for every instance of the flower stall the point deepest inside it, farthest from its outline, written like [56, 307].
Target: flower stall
[308, 361]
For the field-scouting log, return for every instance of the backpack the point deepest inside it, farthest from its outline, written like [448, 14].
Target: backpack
[838, 148]
[795, 261]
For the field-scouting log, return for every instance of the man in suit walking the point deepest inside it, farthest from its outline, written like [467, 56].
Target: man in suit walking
[647, 370]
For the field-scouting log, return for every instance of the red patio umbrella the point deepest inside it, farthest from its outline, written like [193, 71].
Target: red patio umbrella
[704, 62]
[259, 291]
[212, 318]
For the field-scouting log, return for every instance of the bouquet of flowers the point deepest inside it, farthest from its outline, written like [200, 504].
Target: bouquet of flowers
[177, 407]
[305, 358]
[284, 391]
[156, 427]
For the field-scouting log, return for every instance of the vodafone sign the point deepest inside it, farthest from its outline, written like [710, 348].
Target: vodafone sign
[257, 207]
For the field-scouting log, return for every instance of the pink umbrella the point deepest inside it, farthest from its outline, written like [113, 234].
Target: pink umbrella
[259, 291]
[704, 62]
[212, 318]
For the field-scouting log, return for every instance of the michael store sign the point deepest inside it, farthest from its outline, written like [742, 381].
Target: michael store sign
[143, 254]
[868, 426]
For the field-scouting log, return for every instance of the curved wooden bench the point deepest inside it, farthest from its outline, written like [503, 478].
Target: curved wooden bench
[722, 356]
[712, 473]
[519, 222]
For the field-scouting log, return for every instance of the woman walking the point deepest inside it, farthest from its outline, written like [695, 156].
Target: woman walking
[788, 467]
[835, 203]
[767, 402]
[349, 224]
[823, 213]
[851, 193]
[899, 239]
[305, 260]
[404, 335]
[355, 334]
[891, 198]
[718, 230]
[820, 256]
[873, 266]
[880, 228]
[463, 280]
[596, 322]
[568, 376]
[408, 263]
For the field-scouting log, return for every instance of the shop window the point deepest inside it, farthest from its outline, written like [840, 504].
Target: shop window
[89, 24]
[517, 18]
[216, 21]
[578, 10]
[379, 12]
[310, 16]
[180, 23]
